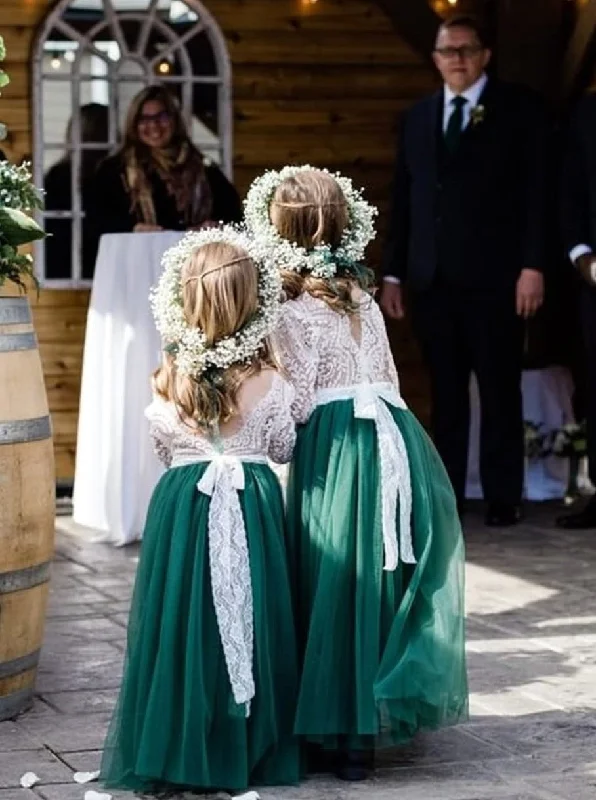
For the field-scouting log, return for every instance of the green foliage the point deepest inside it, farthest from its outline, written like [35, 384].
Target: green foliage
[4, 79]
[17, 196]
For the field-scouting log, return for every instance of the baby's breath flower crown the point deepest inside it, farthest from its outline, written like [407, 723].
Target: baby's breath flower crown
[187, 344]
[322, 261]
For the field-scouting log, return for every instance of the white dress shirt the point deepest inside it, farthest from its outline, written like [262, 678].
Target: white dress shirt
[472, 97]
[581, 250]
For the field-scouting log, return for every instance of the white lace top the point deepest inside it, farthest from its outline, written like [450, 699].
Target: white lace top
[331, 356]
[264, 427]
[322, 349]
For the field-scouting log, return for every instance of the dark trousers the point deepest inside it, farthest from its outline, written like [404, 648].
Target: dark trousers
[475, 331]
[588, 307]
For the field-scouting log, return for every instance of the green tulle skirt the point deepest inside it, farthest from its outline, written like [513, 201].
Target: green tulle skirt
[382, 652]
[176, 723]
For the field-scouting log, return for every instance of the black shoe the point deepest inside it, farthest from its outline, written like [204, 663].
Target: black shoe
[581, 520]
[355, 765]
[319, 760]
[502, 515]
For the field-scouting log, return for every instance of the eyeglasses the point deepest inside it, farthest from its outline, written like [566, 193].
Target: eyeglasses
[159, 119]
[465, 52]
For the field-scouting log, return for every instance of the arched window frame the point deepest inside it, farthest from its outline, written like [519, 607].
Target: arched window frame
[205, 23]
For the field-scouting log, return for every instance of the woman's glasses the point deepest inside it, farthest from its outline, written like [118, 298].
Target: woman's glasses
[161, 118]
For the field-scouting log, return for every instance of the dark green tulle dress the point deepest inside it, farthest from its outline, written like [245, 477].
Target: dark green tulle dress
[176, 723]
[383, 652]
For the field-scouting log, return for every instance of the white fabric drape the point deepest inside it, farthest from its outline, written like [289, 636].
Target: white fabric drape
[547, 397]
[116, 469]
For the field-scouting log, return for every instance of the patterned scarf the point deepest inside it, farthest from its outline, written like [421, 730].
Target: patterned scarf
[183, 172]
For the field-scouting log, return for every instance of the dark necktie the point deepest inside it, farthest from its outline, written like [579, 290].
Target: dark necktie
[455, 124]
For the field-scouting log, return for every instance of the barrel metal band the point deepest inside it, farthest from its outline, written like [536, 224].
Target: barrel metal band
[25, 430]
[15, 703]
[18, 665]
[11, 342]
[27, 578]
[14, 311]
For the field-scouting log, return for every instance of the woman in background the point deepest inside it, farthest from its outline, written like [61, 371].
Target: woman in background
[158, 180]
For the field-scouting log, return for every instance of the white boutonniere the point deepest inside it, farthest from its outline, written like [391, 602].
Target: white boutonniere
[477, 115]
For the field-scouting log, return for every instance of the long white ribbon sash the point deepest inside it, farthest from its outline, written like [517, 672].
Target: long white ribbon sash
[230, 566]
[393, 459]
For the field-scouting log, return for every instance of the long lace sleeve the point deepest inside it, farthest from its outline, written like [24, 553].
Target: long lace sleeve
[389, 367]
[160, 430]
[282, 436]
[294, 346]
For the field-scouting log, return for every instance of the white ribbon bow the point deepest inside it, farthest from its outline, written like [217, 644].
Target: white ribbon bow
[394, 470]
[230, 572]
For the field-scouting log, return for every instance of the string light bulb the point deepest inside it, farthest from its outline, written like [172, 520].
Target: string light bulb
[164, 67]
[56, 62]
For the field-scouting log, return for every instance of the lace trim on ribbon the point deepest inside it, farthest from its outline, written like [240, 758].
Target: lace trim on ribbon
[230, 567]
[393, 460]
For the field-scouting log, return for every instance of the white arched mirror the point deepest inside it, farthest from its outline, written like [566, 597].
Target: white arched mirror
[91, 58]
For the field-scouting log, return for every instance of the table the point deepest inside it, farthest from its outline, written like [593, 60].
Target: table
[116, 470]
[547, 402]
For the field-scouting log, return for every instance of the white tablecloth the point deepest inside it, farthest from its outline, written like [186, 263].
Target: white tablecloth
[547, 402]
[116, 469]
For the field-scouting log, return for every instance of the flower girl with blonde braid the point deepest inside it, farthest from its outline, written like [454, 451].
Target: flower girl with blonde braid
[375, 541]
[210, 683]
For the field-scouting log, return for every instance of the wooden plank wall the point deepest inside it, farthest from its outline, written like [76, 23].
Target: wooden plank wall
[322, 83]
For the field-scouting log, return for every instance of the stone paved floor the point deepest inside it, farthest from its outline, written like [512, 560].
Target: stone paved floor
[532, 666]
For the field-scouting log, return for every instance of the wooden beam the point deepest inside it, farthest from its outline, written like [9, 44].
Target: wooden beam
[579, 47]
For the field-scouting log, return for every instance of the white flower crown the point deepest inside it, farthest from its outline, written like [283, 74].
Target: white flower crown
[187, 344]
[322, 261]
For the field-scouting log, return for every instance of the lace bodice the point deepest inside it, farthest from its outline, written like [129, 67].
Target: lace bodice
[263, 428]
[318, 349]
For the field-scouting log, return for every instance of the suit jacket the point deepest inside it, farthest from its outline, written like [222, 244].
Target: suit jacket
[478, 217]
[578, 193]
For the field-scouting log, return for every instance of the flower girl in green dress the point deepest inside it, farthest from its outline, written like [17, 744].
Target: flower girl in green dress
[210, 682]
[375, 538]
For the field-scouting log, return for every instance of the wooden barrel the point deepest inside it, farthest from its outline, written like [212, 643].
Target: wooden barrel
[27, 505]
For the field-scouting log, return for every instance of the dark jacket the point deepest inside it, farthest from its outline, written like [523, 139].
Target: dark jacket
[58, 245]
[476, 218]
[578, 195]
[109, 203]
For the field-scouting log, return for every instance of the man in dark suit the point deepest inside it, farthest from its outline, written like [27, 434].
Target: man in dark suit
[578, 205]
[466, 234]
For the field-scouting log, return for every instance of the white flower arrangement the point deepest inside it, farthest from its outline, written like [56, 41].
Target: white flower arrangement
[187, 344]
[322, 261]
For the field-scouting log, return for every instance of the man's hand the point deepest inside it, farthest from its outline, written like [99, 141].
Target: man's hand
[585, 265]
[391, 300]
[142, 227]
[530, 293]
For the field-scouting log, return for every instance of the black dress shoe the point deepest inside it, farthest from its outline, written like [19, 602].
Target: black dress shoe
[319, 760]
[581, 520]
[355, 765]
[502, 515]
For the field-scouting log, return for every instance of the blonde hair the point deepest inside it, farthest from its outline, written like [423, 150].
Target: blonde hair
[311, 209]
[219, 296]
